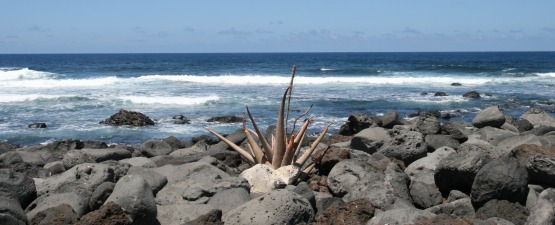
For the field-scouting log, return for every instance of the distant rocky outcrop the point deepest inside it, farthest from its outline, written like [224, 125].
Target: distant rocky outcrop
[129, 118]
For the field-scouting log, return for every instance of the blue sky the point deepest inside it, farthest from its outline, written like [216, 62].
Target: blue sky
[63, 26]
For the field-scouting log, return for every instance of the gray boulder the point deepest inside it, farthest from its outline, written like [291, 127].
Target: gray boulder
[425, 195]
[198, 189]
[86, 176]
[178, 214]
[473, 145]
[140, 161]
[490, 116]
[435, 141]
[457, 171]
[55, 167]
[324, 201]
[100, 194]
[134, 195]
[513, 212]
[538, 117]
[458, 208]
[236, 137]
[276, 207]
[100, 155]
[406, 146]
[539, 162]
[370, 140]
[543, 213]
[60, 215]
[422, 170]
[155, 180]
[400, 216]
[356, 123]
[75, 157]
[510, 143]
[155, 147]
[182, 172]
[229, 199]
[503, 178]
[76, 200]
[494, 135]
[11, 212]
[427, 123]
[456, 130]
[390, 119]
[17, 186]
[129, 118]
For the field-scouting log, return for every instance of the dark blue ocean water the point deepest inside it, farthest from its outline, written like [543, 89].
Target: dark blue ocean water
[73, 92]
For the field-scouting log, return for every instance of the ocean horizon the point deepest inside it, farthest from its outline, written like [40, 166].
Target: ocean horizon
[72, 93]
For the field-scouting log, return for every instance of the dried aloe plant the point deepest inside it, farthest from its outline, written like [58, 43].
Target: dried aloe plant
[283, 150]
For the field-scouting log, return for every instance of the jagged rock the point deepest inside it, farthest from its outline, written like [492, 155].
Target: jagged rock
[370, 140]
[544, 210]
[7, 147]
[135, 197]
[55, 149]
[130, 118]
[225, 119]
[180, 119]
[513, 212]
[440, 94]
[276, 207]
[422, 170]
[356, 123]
[60, 215]
[471, 94]
[110, 213]
[503, 178]
[17, 186]
[425, 195]
[456, 84]
[538, 117]
[229, 199]
[400, 216]
[355, 212]
[457, 171]
[490, 116]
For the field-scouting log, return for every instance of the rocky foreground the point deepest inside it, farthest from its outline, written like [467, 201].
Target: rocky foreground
[497, 170]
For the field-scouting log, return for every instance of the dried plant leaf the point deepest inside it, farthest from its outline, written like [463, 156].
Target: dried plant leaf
[300, 162]
[265, 145]
[234, 146]
[279, 145]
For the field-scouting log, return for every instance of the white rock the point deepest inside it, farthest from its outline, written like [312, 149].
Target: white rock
[263, 179]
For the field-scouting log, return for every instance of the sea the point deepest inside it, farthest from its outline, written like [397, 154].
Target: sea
[72, 93]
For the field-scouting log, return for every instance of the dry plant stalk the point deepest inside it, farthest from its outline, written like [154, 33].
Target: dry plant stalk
[284, 150]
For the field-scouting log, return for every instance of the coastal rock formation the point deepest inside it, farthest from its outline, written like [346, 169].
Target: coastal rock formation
[129, 118]
[225, 119]
[472, 94]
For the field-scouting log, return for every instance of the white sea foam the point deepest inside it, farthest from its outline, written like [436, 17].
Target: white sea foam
[326, 69]
[552, 74]
[170, 100]
[59, 83]
[9, 74]
[28, 97]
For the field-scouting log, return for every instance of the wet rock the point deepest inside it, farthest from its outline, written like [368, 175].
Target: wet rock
[60, 215]
[180, 119]
[440, 94]
[503, 178]
[135, 197]
[276, 207]
[37, 125]
[129, 118]
[110, 213]
[355, 212]
[471, 94]
[490, 116]
[456, 84]
[225, 119]
[513, 212]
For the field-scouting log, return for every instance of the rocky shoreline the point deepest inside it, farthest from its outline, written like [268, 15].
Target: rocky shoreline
[496, 170]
